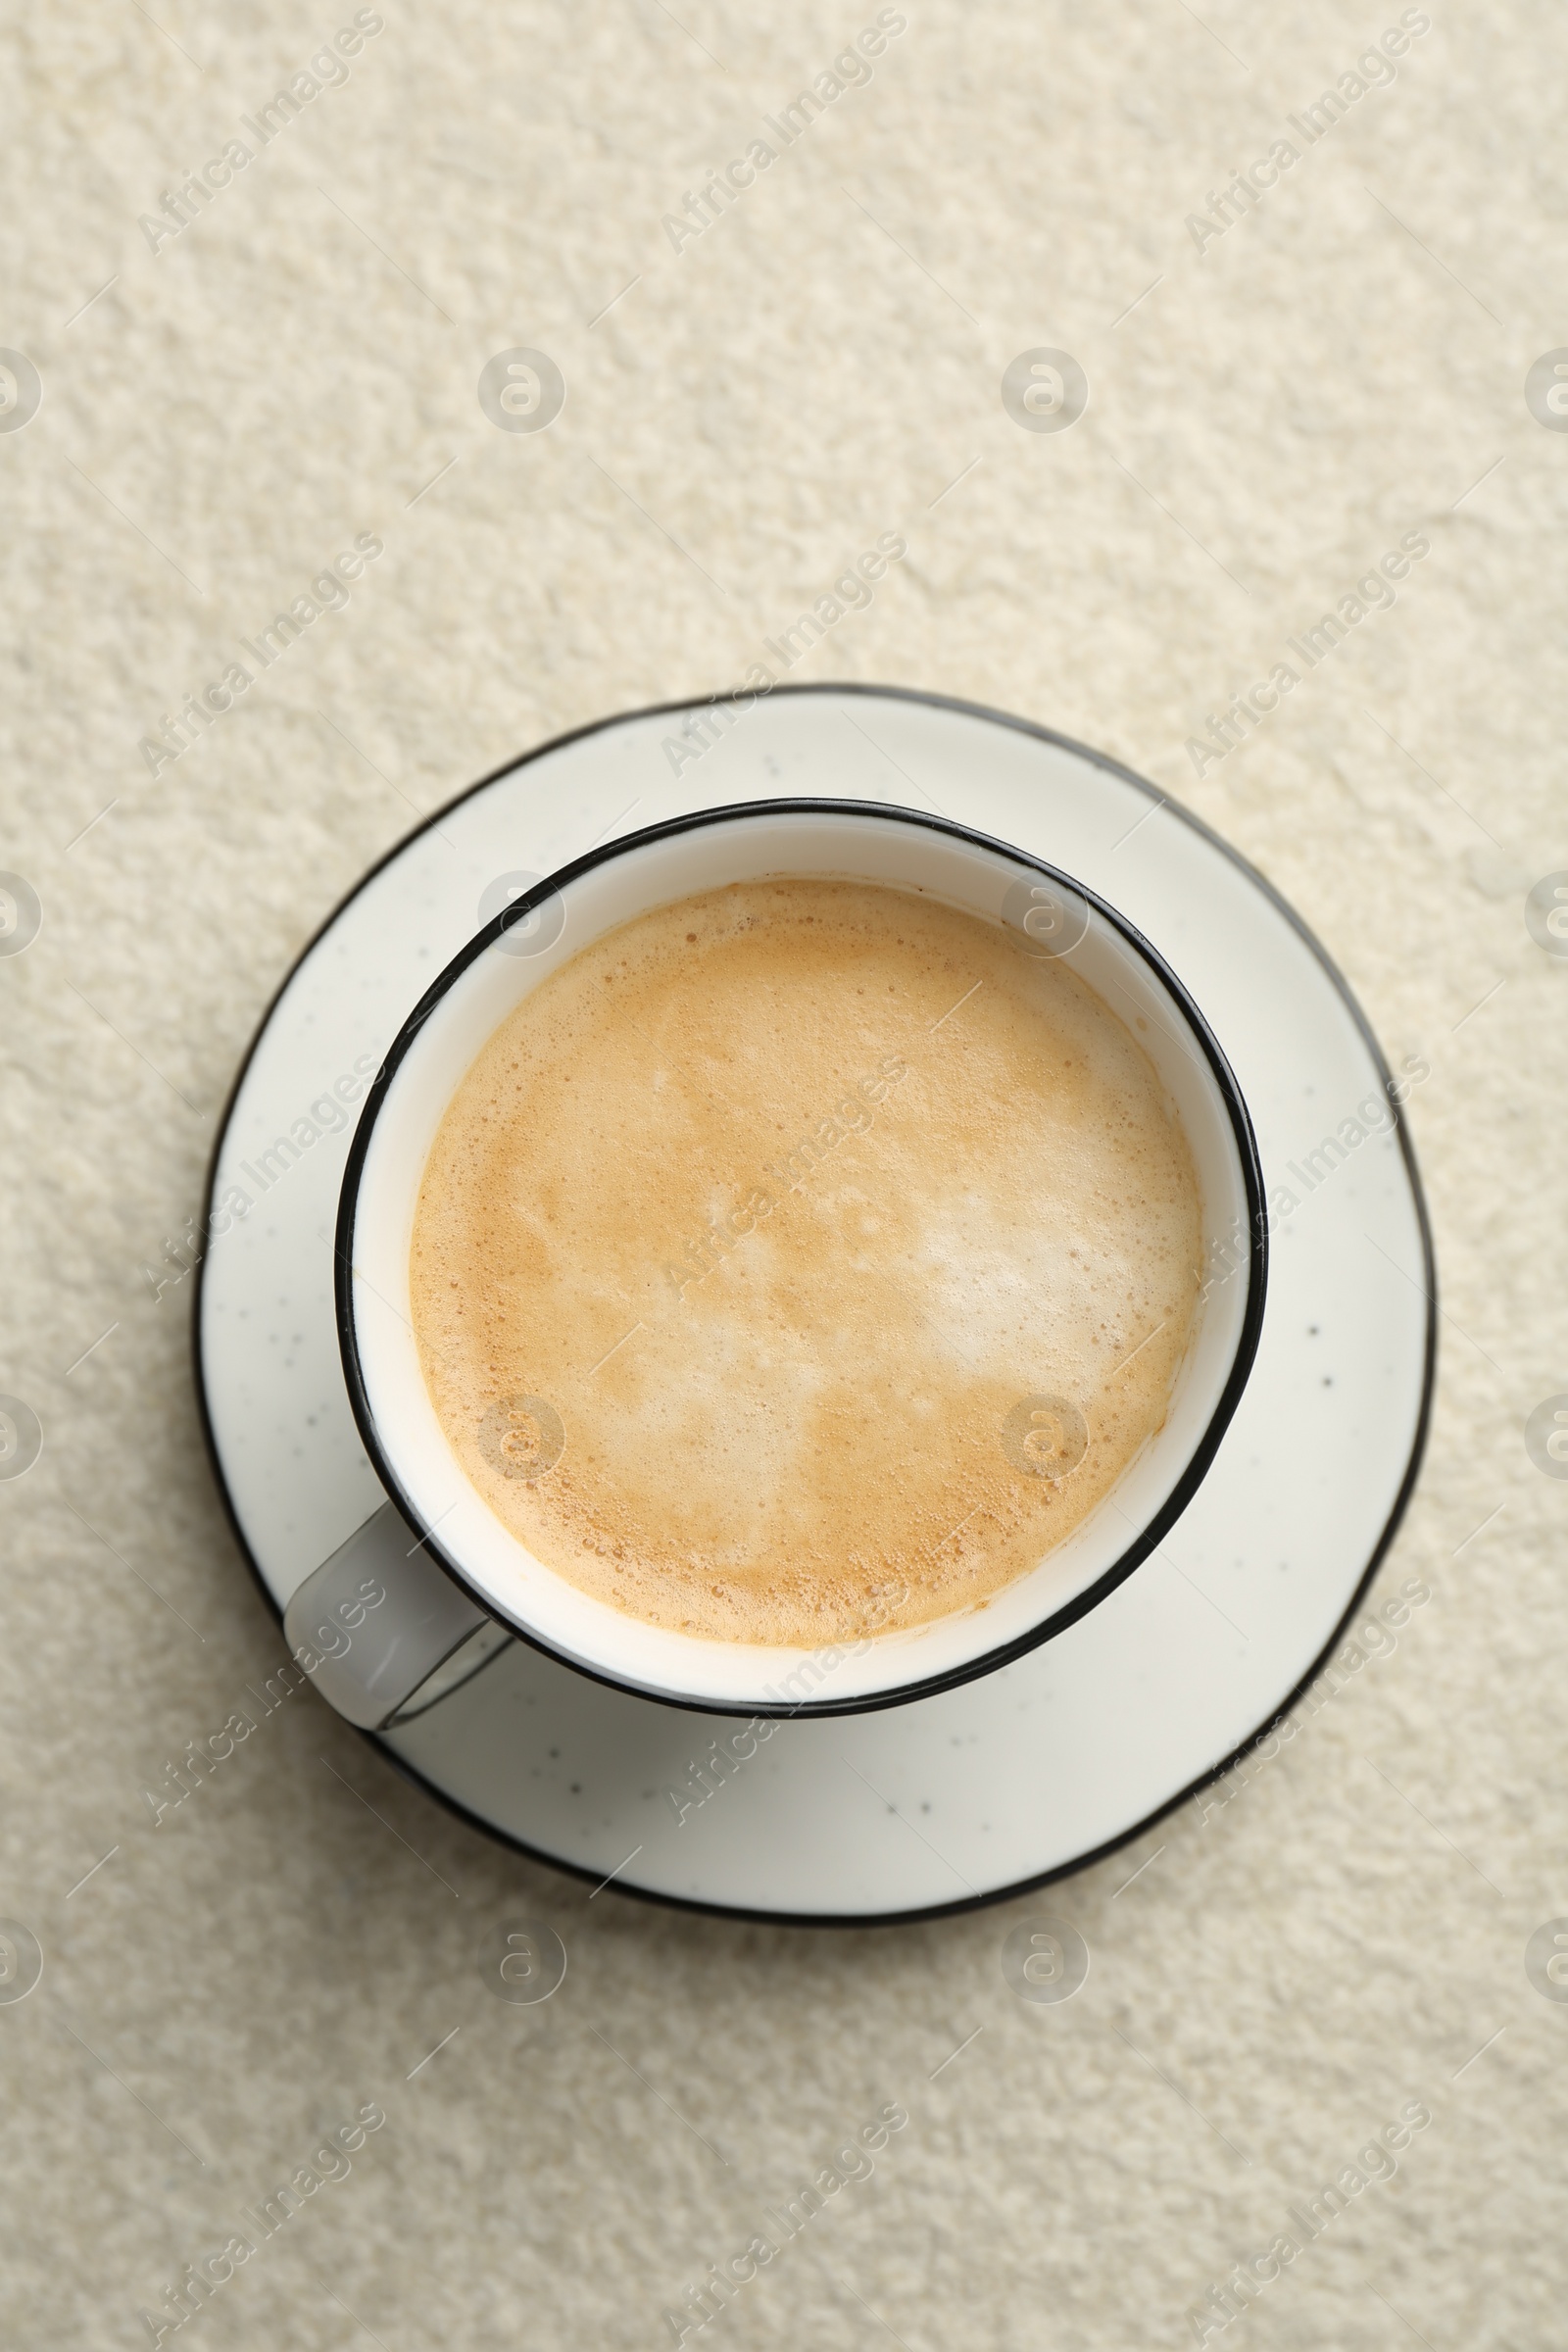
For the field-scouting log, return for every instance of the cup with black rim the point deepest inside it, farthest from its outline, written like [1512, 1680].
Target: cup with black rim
[433, 1585]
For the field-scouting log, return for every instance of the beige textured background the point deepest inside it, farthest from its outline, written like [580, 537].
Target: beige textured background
[295, 368]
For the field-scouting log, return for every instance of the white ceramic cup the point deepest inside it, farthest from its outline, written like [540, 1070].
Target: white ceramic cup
[434, 1583]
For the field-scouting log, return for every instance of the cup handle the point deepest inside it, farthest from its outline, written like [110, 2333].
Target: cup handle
[390, 1629]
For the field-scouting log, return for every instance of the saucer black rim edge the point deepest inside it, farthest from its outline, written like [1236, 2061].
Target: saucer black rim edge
[1401, 1500]
[1127, 1562]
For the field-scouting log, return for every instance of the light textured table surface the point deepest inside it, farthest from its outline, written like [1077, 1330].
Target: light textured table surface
[1274, 403]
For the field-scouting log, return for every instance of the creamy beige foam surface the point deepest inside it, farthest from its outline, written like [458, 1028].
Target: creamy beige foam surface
[776, 1258]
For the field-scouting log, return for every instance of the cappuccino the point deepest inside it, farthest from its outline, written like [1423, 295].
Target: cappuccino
[803, 1261]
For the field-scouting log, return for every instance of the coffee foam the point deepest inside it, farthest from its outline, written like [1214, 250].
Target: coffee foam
[828, 1226]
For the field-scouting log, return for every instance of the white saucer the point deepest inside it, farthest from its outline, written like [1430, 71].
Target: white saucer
[990, 1788]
